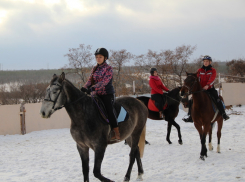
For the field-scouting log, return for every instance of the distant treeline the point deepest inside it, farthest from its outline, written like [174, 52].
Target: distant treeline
[31, 76]
[44, 76]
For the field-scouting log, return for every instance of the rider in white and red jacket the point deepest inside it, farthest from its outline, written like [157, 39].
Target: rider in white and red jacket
[207, 75]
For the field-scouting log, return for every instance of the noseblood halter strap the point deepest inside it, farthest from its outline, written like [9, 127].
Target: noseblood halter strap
[55, 100]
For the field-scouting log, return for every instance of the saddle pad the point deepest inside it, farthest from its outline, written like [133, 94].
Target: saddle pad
[152, 106]
[122, 115]
[215, 107]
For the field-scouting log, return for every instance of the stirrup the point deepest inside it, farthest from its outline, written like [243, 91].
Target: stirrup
[225, 116]
[188, 120]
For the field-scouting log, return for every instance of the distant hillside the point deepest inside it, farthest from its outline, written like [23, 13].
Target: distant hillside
[37, 76]
[31, 76]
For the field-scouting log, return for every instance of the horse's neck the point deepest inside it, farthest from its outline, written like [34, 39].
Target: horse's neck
[174, 95]
[72, 93]
[199, 98]
[75, 101]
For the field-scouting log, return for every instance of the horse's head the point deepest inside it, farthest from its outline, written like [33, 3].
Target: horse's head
[54, 97]
[189, 83]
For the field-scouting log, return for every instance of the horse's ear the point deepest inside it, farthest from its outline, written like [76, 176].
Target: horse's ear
[54, 76]
[62, 76]
[196, 73]
[186, 73]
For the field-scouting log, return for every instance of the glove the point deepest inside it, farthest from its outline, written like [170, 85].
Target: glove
[88, 91]
[84, 89]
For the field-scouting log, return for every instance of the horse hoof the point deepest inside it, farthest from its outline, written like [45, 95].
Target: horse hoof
[202, 158]
[180, 142]
[169, 142]
[139, 178]
[126, 179]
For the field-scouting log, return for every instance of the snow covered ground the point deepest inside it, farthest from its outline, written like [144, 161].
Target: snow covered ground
[51, 155]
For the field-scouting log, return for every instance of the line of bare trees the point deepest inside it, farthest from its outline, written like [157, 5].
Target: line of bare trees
[171, 65]
[16, 93]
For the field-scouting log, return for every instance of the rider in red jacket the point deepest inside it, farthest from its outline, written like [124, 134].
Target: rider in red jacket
[207, 75]
[157, 93]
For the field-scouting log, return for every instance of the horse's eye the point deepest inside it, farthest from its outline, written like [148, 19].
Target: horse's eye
[54, 92]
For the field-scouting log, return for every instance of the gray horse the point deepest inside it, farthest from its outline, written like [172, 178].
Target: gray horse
[89, 131]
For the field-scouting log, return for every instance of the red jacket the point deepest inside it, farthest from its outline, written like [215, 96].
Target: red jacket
[156, 85]
[206, 76]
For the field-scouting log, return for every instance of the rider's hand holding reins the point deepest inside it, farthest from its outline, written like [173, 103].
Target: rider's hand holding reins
[205, 87]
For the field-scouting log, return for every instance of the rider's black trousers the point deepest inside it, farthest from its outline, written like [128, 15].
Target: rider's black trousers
[108, 101]
[159, 100]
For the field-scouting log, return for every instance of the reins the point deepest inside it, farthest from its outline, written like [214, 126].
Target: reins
[190, 92]
[103, 114]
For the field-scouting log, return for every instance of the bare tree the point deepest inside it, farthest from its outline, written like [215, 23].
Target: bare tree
[178, 59]
[80, 61]
[117, 61]
[236, 68]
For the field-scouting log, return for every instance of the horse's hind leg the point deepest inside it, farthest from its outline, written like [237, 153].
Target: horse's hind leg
[132, 157]
[220, 124]
[84, 154]
[140, 167]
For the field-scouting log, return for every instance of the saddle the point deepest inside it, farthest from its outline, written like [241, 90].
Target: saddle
[152, 106]
[214, 102]
[120, 112]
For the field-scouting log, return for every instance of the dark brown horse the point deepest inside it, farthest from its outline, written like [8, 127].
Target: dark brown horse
[202, 112]
[171, 112]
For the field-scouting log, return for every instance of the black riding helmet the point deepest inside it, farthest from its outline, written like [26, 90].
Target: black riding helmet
[152, 70]
[207, 57]
[102, 51]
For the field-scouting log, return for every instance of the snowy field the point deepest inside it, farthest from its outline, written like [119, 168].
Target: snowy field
[51, 155]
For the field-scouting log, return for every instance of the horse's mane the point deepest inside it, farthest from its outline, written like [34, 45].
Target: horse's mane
[174, 91]
[68, 82]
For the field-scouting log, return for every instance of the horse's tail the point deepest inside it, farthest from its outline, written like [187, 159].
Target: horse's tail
[141, 143]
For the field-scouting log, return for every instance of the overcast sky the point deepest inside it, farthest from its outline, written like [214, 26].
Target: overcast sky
[36, 34]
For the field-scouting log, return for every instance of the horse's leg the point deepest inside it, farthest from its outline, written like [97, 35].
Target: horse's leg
[132, 157]
[200, 130]
[99, 155]
[140, 167]
[210, 146]
[203, 141]
[178, 129]
[220, 124]
[168, 132]
[84, 154]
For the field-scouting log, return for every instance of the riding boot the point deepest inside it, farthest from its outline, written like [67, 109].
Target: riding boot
[188, 120]
[222, 110]
[117, 134]
[161, 115]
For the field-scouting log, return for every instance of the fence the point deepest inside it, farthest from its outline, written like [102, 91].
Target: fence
[10, 122]
[233, 93]
[11, 116]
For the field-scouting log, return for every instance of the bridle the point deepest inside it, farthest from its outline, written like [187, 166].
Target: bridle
[190, 88]
[55, 100]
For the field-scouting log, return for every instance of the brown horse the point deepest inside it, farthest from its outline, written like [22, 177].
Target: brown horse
[202, 111]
